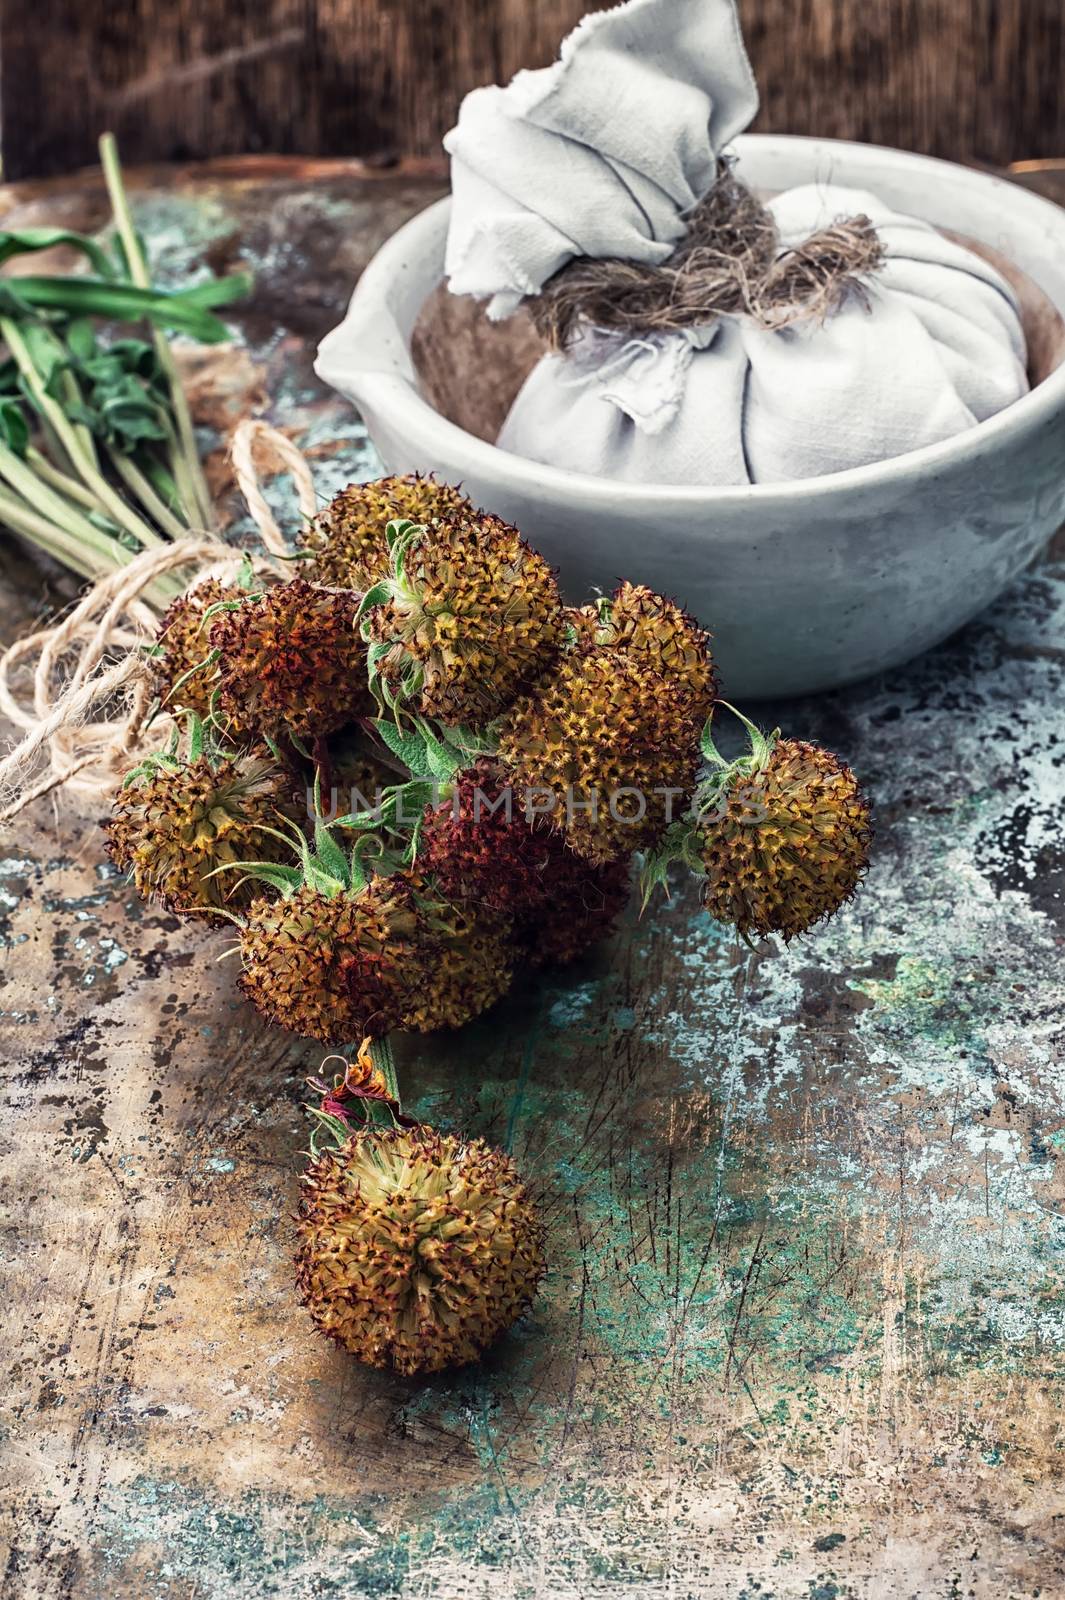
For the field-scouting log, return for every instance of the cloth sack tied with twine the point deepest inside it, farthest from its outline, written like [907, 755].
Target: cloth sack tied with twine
[698, 336]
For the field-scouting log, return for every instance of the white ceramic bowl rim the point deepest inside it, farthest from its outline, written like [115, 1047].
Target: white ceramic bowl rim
[1043, 404]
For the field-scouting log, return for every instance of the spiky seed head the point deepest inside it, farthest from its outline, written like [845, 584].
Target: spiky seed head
[659, 632]
[581, 911]
[473, 965]
[475, 617]
[336, 967]
[416, 1249]
[174, 824]
[348, 537]
[478, 846]
[480, 851]
[184, 639]
[292, 661]
[604, 749]
[787, 844]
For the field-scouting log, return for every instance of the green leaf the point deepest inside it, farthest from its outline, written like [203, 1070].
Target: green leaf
[709, 749]
[443, 761]
[81, 339]
[14, 429]
[378, 595]
[282, 878]
[409, 747]
[46, 352]
[329, 853]
[195, 736]
[25, 241]
[180, 310]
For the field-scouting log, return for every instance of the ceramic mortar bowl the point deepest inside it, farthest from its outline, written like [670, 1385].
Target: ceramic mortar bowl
[805, 586]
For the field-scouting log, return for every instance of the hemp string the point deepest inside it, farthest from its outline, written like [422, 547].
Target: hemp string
[730, 263]
[94, 659]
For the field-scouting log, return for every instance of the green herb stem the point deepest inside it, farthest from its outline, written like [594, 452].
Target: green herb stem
[71, 487]
[110, 501]
[200, 504]
[138, 484]
[72, 551]
[45, 501]
[75, 397]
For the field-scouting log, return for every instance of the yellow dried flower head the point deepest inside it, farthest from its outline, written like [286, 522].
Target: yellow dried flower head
[474, 617]
[790, 842]
[184, 638]
[175, 822]
[348, 537]
[336, 967]
[416, 1249]
[605, 750]
[473, 967]
[291, 661]
[659, 632]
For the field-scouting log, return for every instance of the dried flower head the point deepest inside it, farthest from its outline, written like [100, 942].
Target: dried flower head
[336, 966]
[651, 628]
[416, 1249]
[472, 617]
[788, 841]
[478, 846]
[472, 968]
[581, 911]
[184, 640]
[291, 661]
[480, 851]
[604, 749]
[174, 822]
[348, 537]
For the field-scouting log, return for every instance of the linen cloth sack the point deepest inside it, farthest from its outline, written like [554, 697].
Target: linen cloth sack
[604, 155]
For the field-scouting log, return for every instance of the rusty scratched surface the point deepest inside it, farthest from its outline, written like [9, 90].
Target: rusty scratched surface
[803, 1331]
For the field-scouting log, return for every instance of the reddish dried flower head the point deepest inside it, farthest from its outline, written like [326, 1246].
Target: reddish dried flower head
[581, 911]
[348, 537]
[171, 826]
[790, 842]
[292, 661]
[184, 638]
[480, 851]
[416, 1249]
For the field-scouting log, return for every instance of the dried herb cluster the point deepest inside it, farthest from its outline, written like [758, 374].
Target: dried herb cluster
[521, 752]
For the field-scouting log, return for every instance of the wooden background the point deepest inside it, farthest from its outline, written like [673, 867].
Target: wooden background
[381, 79]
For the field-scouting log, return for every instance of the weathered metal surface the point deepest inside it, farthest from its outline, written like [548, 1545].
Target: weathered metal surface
[803, 1329]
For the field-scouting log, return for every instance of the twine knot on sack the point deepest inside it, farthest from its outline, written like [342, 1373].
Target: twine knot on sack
[729, 264]
[92, 694]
